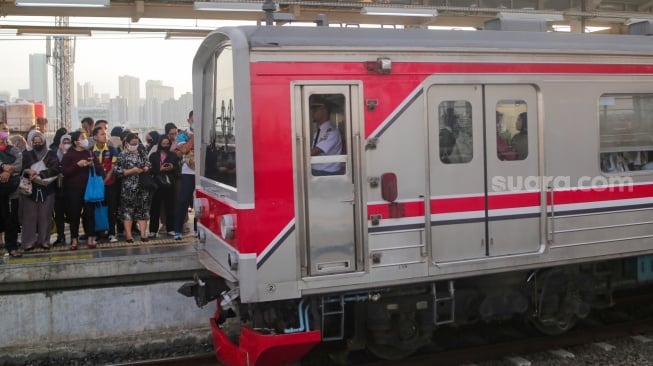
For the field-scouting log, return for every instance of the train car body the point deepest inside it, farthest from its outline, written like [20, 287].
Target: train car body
[482, 174]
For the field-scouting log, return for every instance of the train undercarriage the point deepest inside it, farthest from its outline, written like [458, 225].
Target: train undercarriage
[394, 323]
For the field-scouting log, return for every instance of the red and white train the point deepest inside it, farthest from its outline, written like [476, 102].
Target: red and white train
[484, 175]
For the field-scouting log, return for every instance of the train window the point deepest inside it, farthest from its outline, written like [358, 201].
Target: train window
[626, 127]
[456, 138]
[220, 136]
[328, 132]
[512, 130]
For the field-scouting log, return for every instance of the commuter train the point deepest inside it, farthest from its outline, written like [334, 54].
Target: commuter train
[483, 175]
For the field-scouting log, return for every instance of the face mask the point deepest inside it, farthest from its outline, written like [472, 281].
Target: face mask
[165, 148]
[66, 146]
[4, 135]
[38, 147]
[132, 148]
[83, 143]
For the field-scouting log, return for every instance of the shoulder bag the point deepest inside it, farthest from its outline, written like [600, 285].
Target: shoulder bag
[94, 187]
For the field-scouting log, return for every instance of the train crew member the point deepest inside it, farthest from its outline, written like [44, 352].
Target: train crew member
[10, 164]
[504, 150]
[519, 142]
[75, 165]
[107, 155]
[41, 166]
[135, 201]
[326, 140]
[59, 199]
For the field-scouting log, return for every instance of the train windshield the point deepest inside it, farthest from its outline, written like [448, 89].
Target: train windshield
[219, 137]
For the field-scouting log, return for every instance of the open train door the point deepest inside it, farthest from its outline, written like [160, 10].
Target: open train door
[328, 202]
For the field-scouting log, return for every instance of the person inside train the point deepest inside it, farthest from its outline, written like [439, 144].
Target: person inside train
[326, 140]
[519, 142]
[462, 151]
[447, 135]
[504, 150]
[10, 166]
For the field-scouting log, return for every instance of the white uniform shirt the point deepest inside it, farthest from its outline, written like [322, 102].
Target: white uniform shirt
[330, 142]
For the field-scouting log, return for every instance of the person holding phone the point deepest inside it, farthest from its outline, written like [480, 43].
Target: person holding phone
[165, 167]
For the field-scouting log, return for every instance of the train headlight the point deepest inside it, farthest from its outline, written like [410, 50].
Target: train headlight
[228, 226]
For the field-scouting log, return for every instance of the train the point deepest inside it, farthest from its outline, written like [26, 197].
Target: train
[481, 176]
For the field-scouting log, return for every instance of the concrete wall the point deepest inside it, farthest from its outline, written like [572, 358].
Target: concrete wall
[99, 318]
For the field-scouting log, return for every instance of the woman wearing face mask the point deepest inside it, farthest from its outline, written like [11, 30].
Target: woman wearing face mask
[75, 164]
[37, 207]
[164, 163]
[11, 159]
[135, 201]
[59, 198]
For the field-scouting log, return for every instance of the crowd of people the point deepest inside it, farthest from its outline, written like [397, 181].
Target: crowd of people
[43, 187]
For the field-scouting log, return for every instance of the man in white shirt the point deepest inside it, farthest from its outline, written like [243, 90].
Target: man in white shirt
[326, 140]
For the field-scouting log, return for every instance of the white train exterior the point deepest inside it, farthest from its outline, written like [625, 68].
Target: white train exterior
[484, 174]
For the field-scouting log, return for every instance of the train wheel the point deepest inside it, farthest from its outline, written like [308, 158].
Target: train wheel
[553, 327]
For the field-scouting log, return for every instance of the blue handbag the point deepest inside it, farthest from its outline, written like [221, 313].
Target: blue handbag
[101, 217]
[94, 187]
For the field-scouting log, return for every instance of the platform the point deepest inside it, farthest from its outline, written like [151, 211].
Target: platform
[109, 264]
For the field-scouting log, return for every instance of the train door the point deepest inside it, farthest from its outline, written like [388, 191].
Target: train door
[329, 211]
[512, 180]
[478, 154]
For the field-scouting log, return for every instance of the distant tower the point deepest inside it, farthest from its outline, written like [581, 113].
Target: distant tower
[38, 77]
[62, 60]
[129, 89]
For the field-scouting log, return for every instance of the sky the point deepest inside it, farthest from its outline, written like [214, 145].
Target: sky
[102, 58]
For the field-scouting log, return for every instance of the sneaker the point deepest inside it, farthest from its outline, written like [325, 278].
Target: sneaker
[152, 236]
[171, 233]
[113, 239]
[177, 236]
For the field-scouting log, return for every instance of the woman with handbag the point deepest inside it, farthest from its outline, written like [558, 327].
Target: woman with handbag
[76, 165]
[41, 167]
[164, 169]
[135, 198]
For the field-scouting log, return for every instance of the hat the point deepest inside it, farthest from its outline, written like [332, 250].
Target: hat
[66, 136]
[117, 131]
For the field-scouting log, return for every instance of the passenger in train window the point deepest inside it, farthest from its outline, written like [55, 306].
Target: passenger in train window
[41, 166]
[76, 164]
[504, 150]
[135, 200]
[447, 136]
[10, 166]
[60, 145]
[519, 142]
[326, 140]
[462, 151]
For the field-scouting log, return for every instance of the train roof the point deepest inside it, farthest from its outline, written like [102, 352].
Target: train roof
[366, 39]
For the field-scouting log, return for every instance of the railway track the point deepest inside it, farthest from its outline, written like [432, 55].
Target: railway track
[205, 359]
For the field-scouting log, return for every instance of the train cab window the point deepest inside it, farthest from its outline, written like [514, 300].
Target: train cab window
[219, 137]
[328, 134]
[456, 137]
[512, 130]
[626, 128]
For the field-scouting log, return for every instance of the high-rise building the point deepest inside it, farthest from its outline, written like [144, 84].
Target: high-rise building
[129, 89]
[38, 77]
[117, 111]
[156, 94]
